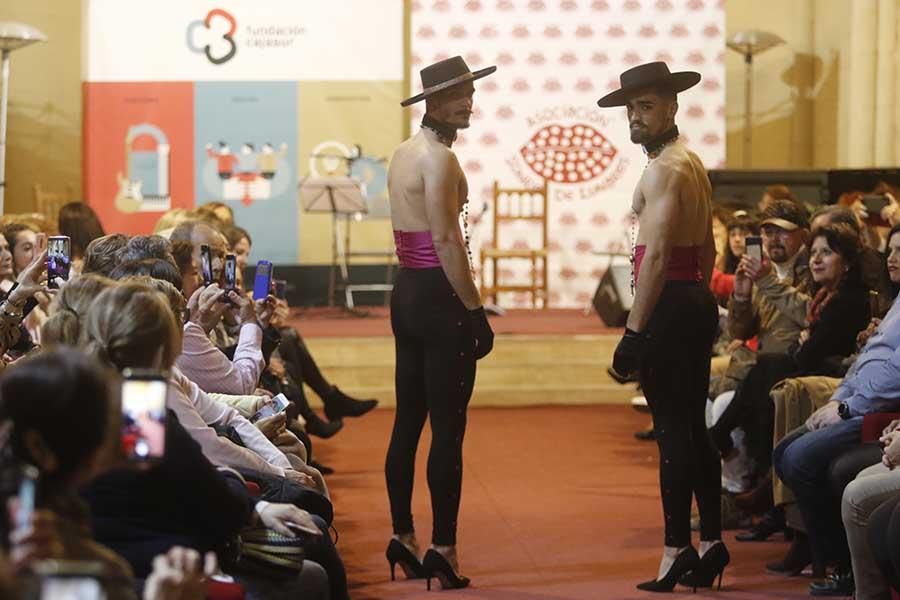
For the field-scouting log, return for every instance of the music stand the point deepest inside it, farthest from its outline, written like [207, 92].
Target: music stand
[338, 196]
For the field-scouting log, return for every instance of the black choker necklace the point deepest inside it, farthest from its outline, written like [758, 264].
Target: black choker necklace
[654, 146]
[446, 133]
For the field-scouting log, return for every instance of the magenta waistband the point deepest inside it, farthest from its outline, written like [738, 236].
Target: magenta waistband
[415, 249]
[684, 263]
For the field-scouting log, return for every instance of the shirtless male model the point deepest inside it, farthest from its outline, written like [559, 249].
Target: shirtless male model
[439, 324]
[671, 328]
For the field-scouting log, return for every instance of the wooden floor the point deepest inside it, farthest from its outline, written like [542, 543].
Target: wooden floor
[558, 503]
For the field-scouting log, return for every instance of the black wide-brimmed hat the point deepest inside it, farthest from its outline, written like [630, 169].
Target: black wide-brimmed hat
[641, 77]
[444, 74]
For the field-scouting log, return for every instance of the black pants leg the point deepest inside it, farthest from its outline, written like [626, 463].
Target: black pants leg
[675, 380]
[753, 410]
[293, 349]
[435, 375]
[884, 539]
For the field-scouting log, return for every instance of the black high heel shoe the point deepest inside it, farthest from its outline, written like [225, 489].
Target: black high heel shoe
[712, 565]
[686, 561]
[397, 553]
[437, 566]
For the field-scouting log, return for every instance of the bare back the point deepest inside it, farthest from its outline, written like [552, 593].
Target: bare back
[694, 216]
[406, 181]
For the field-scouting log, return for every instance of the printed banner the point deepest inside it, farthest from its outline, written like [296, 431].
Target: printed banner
[536, 118]
[236, 40]
[187, 102]
[246, 153]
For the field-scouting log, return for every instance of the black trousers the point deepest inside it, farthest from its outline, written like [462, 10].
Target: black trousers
[434, 377]
[675, 379]
[753, 410]
[884, 539]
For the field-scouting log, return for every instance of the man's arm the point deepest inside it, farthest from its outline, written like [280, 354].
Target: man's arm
[659, 218]
[791, 301]
[442, 178]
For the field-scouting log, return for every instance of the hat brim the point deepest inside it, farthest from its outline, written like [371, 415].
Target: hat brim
[677, 82]
[474, 76]
[783, 223]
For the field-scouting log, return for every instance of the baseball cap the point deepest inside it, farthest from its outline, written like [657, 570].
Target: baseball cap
[786, 214]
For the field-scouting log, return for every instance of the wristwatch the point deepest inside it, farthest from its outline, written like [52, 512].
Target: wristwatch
[844, 410]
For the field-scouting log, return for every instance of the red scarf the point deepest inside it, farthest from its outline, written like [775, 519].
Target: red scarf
[817, 305]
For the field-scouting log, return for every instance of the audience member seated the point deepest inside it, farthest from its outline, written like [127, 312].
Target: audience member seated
[805, 458]
[739, 227]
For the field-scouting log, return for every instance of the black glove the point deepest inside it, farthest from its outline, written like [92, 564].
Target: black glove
[484, 335]
[629, 353]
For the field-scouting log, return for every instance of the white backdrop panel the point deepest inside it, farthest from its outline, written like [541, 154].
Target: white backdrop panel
[555, 59]
[274, 40]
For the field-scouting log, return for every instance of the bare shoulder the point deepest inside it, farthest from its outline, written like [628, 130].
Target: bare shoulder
[672, 167]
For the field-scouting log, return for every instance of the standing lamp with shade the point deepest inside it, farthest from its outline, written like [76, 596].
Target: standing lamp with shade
[749, 43]
[12, 37]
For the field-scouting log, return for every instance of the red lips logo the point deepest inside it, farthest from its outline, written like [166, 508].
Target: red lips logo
[568, 58]
[505, 58]
[552, 31]
[568, 153]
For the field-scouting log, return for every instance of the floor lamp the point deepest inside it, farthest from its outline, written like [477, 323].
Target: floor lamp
[12, 37]
[750, 43]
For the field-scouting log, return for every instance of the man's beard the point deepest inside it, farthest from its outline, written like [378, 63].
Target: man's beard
[640, 135]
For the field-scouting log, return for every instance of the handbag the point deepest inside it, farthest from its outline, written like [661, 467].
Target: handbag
[266, 553]
[279, 489]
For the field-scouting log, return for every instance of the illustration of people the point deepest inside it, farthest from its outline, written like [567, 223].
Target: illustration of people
[247, 159]
[268, 159]
[225, 160]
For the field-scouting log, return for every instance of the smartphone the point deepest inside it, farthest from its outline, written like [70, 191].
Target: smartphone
[279, 404]
[70, 579]
[263, 280]
[753, 246]
[280, 288]
[206, 265]
[27, 496]
[59, 253]
[230, 273]
[874, 203]
[144, 414]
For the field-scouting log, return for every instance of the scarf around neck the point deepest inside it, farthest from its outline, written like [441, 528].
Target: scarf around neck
[446, 132]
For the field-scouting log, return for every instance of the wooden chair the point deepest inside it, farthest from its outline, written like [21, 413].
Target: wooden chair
[513, 205]
[49, 203]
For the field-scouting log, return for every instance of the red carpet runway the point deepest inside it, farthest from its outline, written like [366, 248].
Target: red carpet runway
[558, 503]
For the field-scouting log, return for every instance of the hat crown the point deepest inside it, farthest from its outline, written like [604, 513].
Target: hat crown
[445, 70]
[645, 74]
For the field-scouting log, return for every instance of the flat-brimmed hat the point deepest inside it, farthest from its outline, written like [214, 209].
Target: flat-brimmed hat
[786, 214]
[444, 74]
[641, 77]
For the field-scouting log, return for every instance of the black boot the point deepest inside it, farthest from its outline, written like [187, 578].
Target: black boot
[797, 558]
[338, 405]
[319, 428]
[772, 522]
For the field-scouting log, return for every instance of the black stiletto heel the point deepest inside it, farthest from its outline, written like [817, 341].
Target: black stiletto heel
[397, 553]
[685, 562]
[712, 565]
[437, 566]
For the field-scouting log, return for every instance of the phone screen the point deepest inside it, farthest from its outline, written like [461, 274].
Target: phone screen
[278, 404]
[753, 246]
[27, 496]
[263, 280]
[230, 272]
[71, 588]
[144, 418]
[206, 265]
[58, 259]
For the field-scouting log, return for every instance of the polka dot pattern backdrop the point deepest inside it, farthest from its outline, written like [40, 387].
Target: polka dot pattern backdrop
[536, 118]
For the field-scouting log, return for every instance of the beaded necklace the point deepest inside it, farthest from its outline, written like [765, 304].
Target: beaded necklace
[447, 135]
